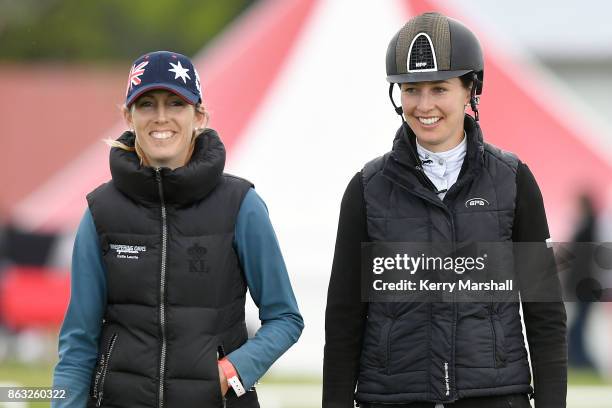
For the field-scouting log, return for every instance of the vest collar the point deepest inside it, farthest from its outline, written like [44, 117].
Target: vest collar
[183, 185]
[404, 157]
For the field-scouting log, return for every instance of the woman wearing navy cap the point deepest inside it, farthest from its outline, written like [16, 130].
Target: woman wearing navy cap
[442, 183]
[162, 260]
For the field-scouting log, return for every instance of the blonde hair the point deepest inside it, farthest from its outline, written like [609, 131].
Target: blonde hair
[140, 153]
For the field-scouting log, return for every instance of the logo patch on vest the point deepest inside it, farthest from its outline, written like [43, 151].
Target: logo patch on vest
[128, 251]
[197, 259]
[476, 202]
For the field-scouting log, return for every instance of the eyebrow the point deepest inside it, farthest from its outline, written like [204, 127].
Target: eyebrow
[151, 95]
[442, 81]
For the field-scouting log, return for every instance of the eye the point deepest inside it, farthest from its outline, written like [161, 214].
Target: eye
[178, 102]
[144, 103]
[439, 89]
[410, 90]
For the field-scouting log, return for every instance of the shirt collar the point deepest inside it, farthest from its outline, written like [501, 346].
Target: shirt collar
[450, 157]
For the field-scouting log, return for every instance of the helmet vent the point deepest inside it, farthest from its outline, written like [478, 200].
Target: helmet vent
[421, 55]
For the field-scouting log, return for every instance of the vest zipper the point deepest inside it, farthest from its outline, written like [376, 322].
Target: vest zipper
[453, 385]
[444, 206]
[102, 375]
[162, 288]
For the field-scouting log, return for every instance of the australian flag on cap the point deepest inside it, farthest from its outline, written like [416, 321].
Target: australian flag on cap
[167, 70]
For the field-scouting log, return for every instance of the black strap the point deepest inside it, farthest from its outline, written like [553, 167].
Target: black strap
[398, 109]
[473, 98]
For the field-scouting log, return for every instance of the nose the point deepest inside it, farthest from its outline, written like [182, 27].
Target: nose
[161, 113]
[425, 102]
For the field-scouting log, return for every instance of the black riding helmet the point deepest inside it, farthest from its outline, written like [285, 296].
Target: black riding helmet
[433, 47]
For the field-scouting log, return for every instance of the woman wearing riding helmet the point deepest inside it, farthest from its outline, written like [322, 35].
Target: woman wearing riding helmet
[162, 260]
[439, 354]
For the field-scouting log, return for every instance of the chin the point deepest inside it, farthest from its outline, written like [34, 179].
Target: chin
[428, 139]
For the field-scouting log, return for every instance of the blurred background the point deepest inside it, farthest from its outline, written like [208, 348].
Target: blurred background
[297, 91]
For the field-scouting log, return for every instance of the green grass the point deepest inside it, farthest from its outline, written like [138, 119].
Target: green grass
[586, 377]
[27, 375]
[40, 375]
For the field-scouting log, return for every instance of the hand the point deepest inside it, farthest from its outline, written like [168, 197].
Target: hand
[222, 381]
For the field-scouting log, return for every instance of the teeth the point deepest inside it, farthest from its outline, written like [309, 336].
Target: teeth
[161, 135]
[429, 121]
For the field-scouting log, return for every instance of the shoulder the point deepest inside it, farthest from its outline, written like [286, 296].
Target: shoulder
[103, 196]
[98, 191]
[526, 183]
[237, 181]
[497, 155]
[232, 188]
[374, 167]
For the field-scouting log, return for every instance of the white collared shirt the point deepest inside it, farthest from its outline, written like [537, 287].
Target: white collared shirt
[443, 168]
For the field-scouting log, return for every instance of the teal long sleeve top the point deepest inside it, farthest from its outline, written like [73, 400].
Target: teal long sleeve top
[266, 277]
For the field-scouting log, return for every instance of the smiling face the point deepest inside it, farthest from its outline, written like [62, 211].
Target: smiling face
[164, 125]
[435, 112]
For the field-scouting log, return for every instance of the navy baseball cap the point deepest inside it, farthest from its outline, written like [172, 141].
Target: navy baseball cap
[167, 70]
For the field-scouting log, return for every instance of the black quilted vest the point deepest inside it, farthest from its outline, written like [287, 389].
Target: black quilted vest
[441, 352]
[175, 287]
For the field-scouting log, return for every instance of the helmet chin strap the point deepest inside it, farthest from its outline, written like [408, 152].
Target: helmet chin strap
[473, 98]
[398, 109]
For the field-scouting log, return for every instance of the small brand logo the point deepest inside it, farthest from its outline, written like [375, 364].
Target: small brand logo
[476, 202]
[421, 64]
[128, 251]
[197, 261]
[446, 378]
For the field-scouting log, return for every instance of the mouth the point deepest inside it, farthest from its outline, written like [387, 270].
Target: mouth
[161, 134]
[429, 121]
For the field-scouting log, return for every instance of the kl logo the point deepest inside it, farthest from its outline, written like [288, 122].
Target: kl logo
[476, 202]
[197, 261]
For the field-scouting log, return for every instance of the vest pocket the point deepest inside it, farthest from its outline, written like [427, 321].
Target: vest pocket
[101, 369]
[499, 340]
[385, 345]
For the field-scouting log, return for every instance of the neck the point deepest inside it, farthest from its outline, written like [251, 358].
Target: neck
[443, 146]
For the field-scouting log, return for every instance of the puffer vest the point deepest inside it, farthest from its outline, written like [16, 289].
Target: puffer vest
[441, 352]
[175, 287]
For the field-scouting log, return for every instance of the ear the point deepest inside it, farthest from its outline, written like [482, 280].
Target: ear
[127, 116]
[469, 94]
[200, 117]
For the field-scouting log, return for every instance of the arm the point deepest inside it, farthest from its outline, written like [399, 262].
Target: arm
[545, 321]
[345, 315]
[78, 337]
[270, 289]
